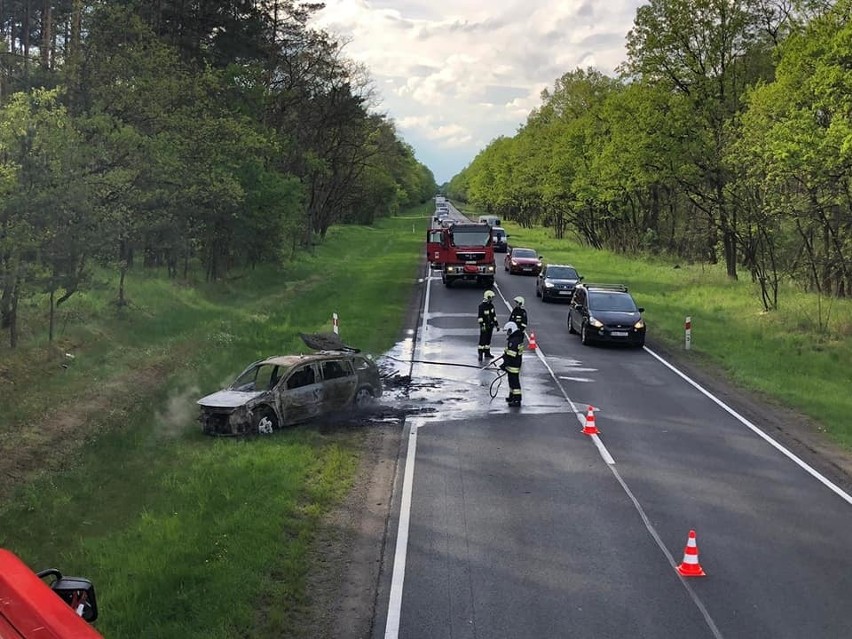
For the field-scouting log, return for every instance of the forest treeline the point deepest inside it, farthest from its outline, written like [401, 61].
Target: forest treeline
[177, 132]
[726, 136]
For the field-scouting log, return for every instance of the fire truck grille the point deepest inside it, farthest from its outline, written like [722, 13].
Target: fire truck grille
[470, 256]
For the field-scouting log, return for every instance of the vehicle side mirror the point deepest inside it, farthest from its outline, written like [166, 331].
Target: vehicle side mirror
[580, 279]
[77, 592]
[641, 309]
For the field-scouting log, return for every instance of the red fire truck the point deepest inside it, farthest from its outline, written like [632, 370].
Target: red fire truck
[32, 609]
[463, 251]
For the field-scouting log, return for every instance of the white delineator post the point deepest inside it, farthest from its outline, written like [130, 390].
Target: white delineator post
[335, 324]
[687, 326]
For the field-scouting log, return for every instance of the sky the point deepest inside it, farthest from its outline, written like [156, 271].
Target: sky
[456, 74]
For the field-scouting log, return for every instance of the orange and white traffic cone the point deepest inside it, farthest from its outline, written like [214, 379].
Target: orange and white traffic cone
[690, 567]
[532, 343]
[589, 428]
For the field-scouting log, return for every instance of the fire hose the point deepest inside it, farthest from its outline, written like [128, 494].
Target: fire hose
[492, 389]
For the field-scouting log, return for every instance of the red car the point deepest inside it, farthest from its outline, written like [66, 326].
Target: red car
[522, 260]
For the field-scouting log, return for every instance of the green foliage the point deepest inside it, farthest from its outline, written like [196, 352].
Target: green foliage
[231, 133]
[702, 149]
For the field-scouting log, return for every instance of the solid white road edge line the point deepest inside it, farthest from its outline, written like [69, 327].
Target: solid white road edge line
[801, 463]
[399, 557]
[395, 602]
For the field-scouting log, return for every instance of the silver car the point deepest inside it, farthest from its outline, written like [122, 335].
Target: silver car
[289, 389]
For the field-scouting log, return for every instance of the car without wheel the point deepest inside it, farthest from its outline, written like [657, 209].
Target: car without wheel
[522, 260]
[557, 282]
[606, 313]
[288, 389]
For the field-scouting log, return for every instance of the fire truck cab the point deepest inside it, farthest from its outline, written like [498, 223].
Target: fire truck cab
[463, 251]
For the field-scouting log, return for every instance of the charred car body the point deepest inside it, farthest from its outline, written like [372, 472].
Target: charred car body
[288, 389]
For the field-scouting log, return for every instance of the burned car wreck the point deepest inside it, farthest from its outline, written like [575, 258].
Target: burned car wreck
[288, 389]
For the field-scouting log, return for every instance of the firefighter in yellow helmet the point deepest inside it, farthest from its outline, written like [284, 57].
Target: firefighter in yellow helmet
[487, 324]
[512, 361]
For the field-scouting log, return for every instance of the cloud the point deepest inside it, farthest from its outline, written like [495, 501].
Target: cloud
[455, 74]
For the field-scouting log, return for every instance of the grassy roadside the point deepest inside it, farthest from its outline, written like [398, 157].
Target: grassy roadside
[781, 354]
[188, 536]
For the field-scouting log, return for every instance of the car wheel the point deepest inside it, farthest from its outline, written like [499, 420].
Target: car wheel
[265, 422]
[571, 329]
[584, 335]
[363, 398]
[641, 343]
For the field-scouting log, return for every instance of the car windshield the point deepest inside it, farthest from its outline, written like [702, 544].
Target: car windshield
[259, 377]
[472, 237]
[498, 233]
[562, 273]
[524, 253]
[606, 301]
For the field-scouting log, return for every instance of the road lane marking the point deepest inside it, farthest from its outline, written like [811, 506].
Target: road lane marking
[401, 552]
[653, 532]
[789, 454]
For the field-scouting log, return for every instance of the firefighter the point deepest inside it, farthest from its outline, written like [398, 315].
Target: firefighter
[487, 324]
[519, 316]
[512, 360]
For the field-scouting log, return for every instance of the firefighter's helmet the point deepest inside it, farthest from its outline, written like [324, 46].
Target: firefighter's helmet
[489, 295]
[510, 327]
[519, 300]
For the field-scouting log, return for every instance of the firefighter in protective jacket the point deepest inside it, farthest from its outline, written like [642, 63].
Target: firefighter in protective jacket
[519, 317]
[487, 324]
[512, 360]
[519, 314]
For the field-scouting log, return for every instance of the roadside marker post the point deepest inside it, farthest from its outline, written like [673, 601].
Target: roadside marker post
[335, 324]
[688, 332]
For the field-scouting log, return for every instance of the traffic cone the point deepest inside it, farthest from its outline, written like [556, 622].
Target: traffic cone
[690, 567]
[532, 343]
[590, 428]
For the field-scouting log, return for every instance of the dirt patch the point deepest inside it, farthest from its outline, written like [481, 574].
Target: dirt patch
[57, 435]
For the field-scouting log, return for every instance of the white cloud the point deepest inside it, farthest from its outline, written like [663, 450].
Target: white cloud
[455, 74]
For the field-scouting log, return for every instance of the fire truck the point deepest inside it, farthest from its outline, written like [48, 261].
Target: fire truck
[463, 251]
[30, 608]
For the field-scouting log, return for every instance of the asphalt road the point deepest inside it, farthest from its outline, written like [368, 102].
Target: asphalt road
[513, 523]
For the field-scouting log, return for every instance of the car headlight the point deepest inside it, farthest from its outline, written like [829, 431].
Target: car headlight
[514, 263]
[639, 324]
[490, 269]
[549, 285]
[595, 323]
